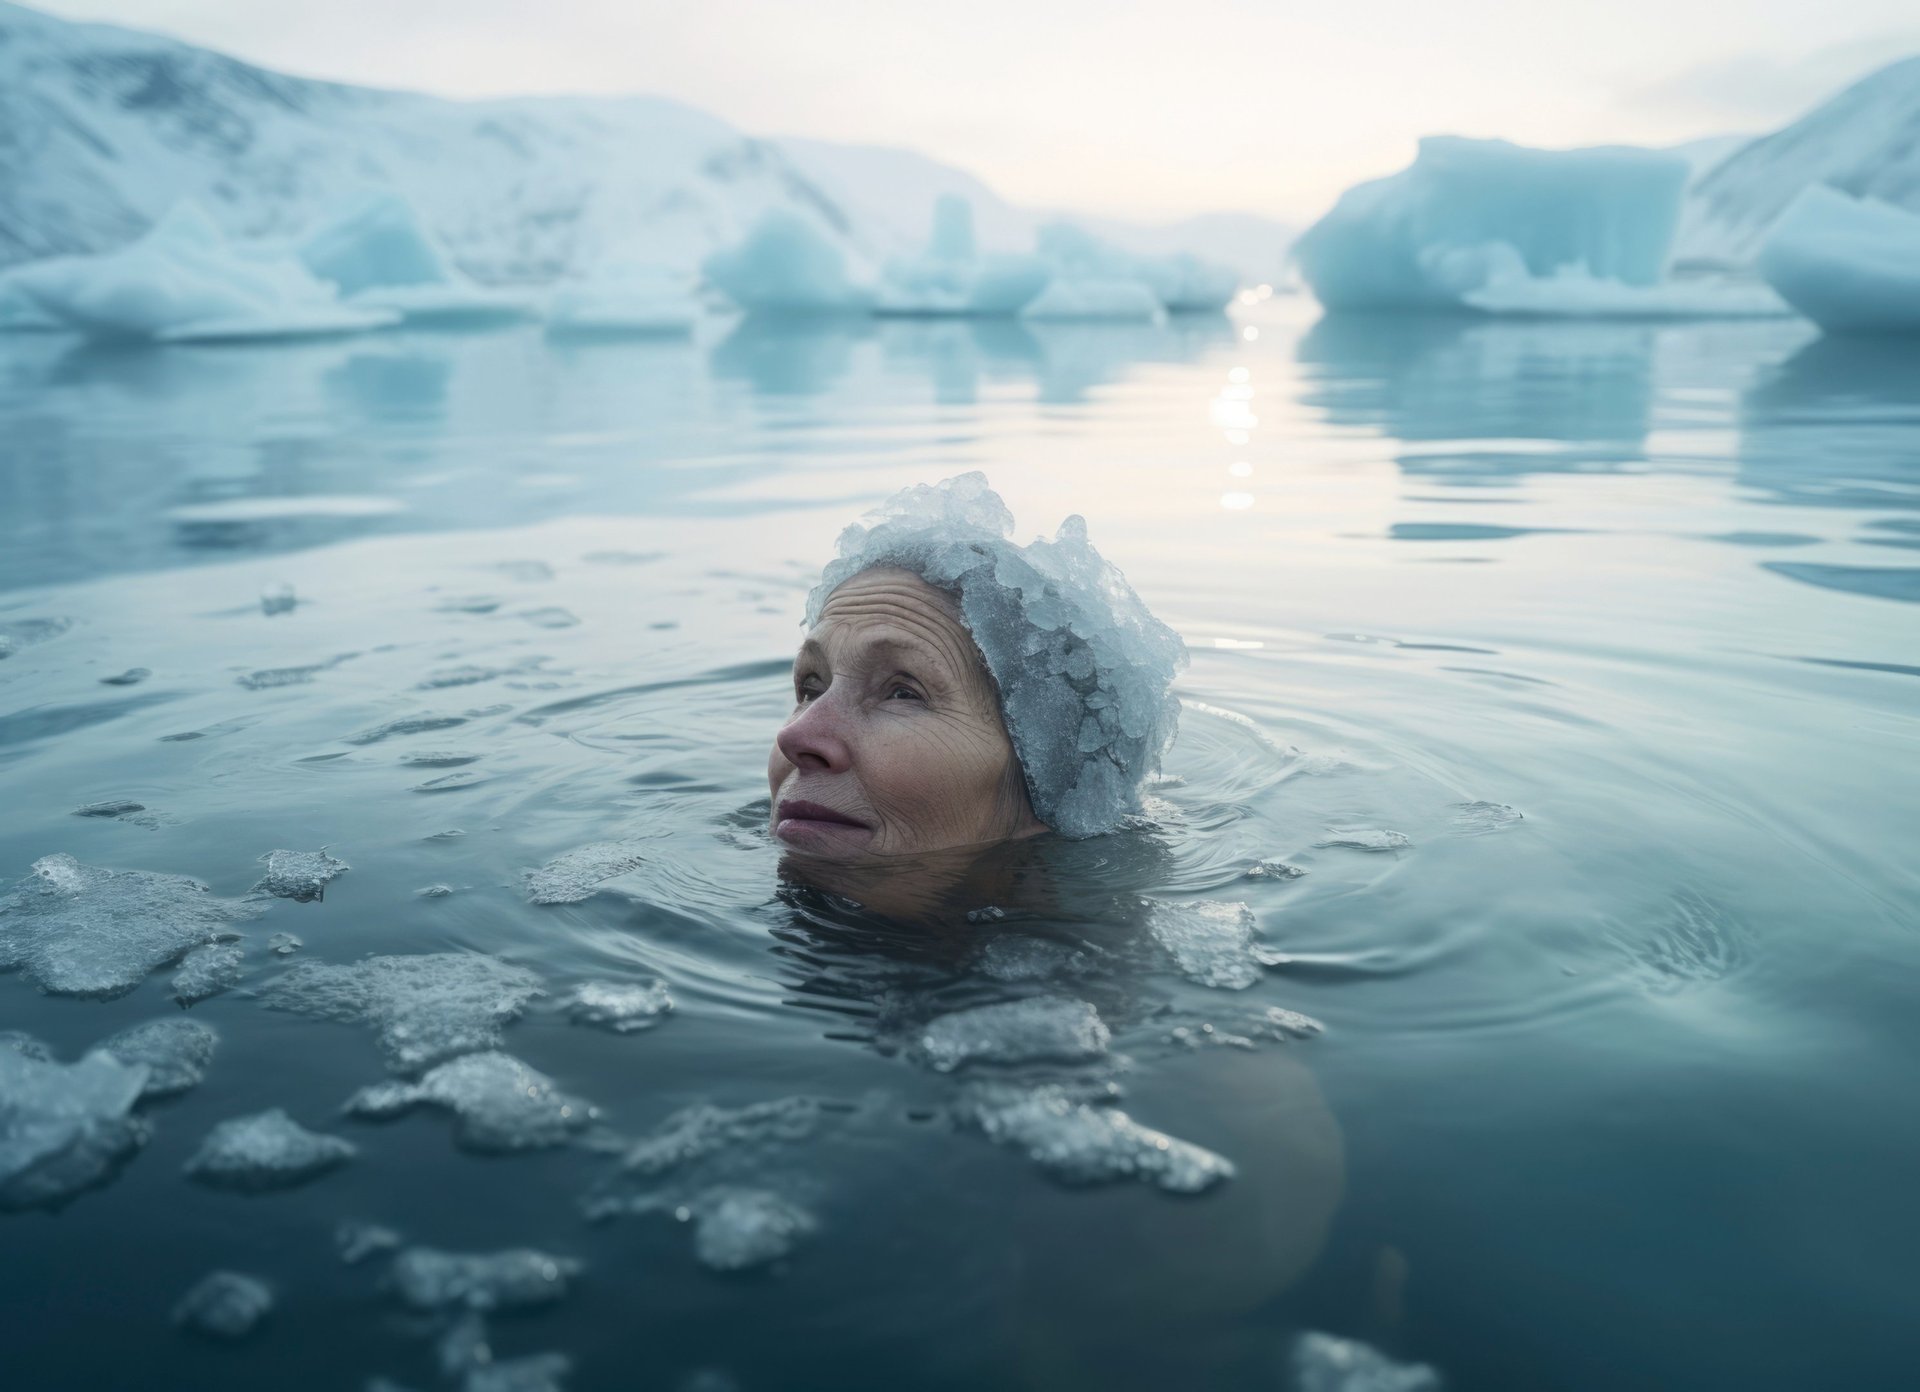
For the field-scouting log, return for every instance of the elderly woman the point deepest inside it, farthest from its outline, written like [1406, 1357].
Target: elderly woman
[956, 690]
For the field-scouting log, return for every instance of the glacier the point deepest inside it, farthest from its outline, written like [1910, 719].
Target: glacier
[1491, 227]
[787, 265]
[623, 299]
[1091, 279]
[1852, 265]
[183, 281]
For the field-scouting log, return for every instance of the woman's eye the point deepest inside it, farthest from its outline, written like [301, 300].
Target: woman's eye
[900, 691]
[806, 689]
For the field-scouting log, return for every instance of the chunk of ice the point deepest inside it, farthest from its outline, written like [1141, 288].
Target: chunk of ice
[735, 1229]
[1479, 818]
[25, 1045]
[1364, 839]
[620, 1006]
[500, 1103]
[1852, 265]
[133, 676]
[786, 265]
[64, 1127]
[1082, 1144]
[1274, 870]
[570, 878]
[422, 1009]
[1084, 671]
[207, 971]
[376, 251]
[1325, 1363]
[266, 1150]
[1036, 1029]
[175, 1051]
[703, 1130]
[951, 277]
[1016, 957]
[429, 1279]
[1211, 943]
[224, 1305]
[355, 1241]
[301, 876]
[536, 1372]
[284, 944]
[77, 930]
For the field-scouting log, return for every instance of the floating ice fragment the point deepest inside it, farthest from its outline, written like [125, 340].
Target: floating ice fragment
[500, 1103]
[266, 1150]
[1016, 957]
[64, 1127]
[433, 891]
[355, 1241]
[116, 807]
[620, 1006]
[407, 725]
[702, 1130]
[739, 1228]
[284, 944]
[301, 876]
[1036, 1029]
[133, 676]
[77, 930]
[1274, 870]
[271, 678]
[175, 1051]
[537, 1372]
[224, 1305]
[570, 878]
[1210, 943]
[1083, 1144]
[1479, 818]
[16, 634]
[25, 1045]
[278, 599]
[951, 277]
[429, 1279]
[1364, 839]
[1084, 670]
[989, 914]
[207, 971]
[1324, 1363]
[422, 1009]
[451, 782]
[438, 758]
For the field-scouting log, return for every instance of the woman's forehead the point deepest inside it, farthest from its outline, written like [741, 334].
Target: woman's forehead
[890, 608]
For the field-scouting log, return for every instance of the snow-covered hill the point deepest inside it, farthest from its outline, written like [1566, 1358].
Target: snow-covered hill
[103, 129]
[1865, 141]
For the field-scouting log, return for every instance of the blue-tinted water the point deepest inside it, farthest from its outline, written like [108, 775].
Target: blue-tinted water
[1615, 1094]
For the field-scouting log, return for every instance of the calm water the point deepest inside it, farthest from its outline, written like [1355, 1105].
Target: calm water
[1617, 1094]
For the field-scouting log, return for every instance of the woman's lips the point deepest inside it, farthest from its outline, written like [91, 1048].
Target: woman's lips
[811, 825]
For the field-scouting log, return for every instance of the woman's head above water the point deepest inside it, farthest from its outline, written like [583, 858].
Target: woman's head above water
[955, 689]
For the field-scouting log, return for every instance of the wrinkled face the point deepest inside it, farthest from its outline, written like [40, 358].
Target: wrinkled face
[895, 745]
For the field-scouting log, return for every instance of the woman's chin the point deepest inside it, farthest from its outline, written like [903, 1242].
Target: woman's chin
[822, 838]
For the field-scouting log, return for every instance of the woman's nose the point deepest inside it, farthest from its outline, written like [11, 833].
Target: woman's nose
[816, 738]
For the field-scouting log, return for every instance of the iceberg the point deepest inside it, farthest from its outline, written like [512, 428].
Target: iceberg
[500, 1104]
[1852, 265]
[380, 258]
[786, 265]
[1091, 280]
[623, 300]
[952, 278]
[1469, 215]
[185, 282]
[1186, 284]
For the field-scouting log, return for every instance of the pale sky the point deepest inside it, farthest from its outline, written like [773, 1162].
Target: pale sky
[1150, 109]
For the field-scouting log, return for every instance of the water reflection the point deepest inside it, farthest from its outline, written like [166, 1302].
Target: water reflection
[1586, 390]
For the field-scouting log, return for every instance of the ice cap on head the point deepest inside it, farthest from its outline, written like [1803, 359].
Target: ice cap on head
[1085, 672]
